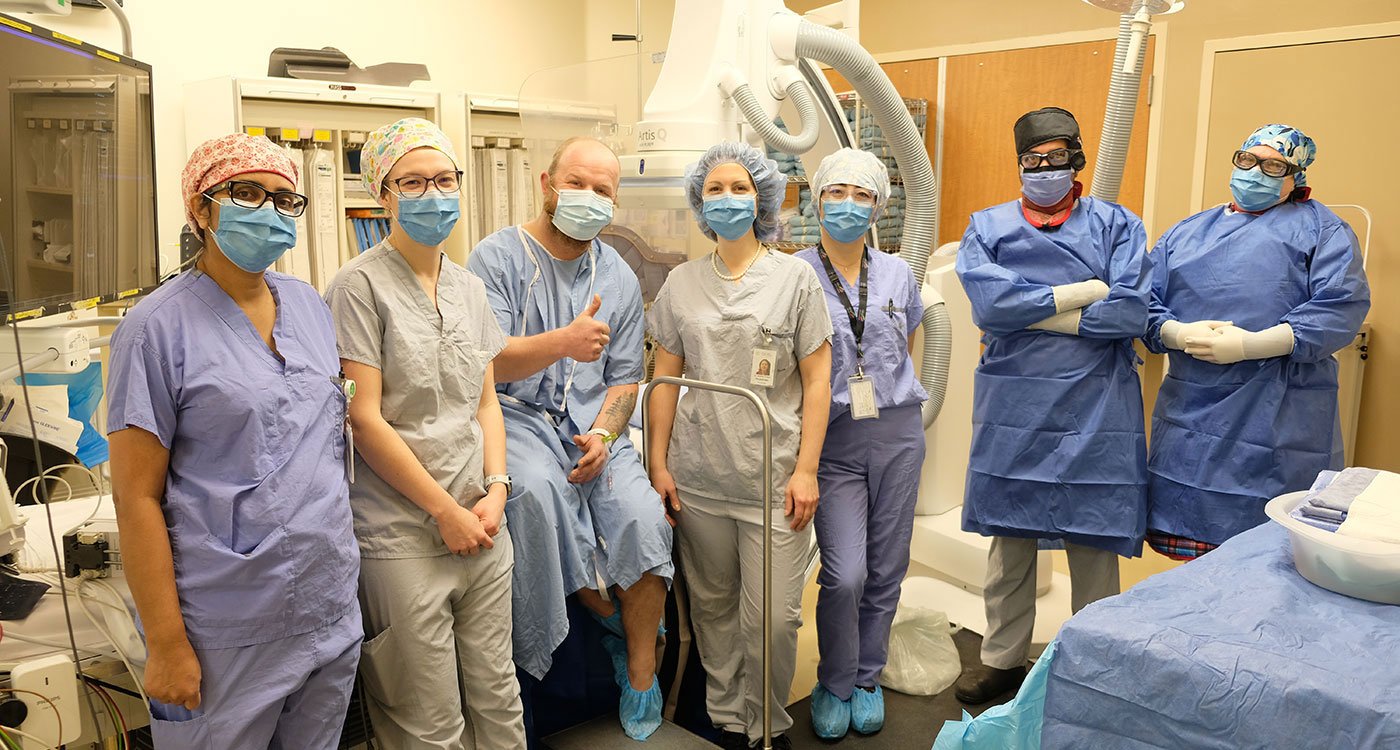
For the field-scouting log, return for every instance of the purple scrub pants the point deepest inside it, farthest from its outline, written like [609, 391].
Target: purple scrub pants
[869, 482]
[287, 694]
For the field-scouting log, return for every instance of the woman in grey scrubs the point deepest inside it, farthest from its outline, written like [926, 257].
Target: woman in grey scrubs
[750, 317]
[417, 335]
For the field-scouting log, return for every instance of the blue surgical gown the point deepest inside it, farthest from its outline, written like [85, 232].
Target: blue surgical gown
[256, 500]
[1227, 438]
[1058, 446]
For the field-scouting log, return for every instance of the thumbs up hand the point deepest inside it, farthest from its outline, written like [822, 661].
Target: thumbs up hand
[586, 337]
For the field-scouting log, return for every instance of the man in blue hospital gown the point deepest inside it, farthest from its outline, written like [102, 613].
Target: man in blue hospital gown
[1059, 285]
[583, 515]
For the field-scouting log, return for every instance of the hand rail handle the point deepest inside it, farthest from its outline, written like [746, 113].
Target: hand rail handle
[762, 408]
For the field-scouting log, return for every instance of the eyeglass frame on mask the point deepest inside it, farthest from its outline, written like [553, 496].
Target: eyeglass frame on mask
[1259, 161]
[840, 191]
[268, 195]
[398, 183]
[1033, 160]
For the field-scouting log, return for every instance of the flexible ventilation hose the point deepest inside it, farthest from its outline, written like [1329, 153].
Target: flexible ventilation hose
[762, 123]
[938, 352]
[921, 191]
[1118, 117]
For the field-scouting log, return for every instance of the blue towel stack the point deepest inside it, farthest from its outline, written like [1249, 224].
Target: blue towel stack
[1331, 496]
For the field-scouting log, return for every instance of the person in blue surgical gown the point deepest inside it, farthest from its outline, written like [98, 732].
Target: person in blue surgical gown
[1249, 301]
[583, 515]
[1059, 285]
[228, 470]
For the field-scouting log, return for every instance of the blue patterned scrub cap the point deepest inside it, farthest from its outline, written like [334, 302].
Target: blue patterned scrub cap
[1295, 146]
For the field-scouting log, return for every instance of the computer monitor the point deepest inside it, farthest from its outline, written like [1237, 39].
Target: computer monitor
[77, 173]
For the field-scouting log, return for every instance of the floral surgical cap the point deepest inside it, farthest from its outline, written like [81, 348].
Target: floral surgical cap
[385, 146]
[769, 183]
[850, 166]
[221, 159]
[1296, 147]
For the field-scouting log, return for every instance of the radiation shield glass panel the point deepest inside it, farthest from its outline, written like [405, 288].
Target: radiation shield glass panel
[652, 227]
[77, 186]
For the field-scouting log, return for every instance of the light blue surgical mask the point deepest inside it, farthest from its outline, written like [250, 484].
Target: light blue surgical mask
[846, 220]
[1047, 188]
[731, 216]
[430, 217]
[581, 214]
[253, 238]
[1253, 190]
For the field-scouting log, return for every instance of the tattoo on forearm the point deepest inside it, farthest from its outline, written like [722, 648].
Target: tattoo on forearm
[617, 414]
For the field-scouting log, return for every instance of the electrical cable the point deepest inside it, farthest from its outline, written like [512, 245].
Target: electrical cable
[42, 744]
[58, 718]
[102, 628]
[10, 295]
[9, 743]
[118, 719]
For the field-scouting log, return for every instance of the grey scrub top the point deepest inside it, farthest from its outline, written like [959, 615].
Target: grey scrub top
[433, 362]
[715, 325]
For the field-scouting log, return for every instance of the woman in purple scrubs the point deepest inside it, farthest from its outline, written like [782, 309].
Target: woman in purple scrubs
[227, 413]
[874, 449]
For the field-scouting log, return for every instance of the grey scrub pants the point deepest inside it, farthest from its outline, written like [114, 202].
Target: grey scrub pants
[1010, 593]
[442, 628]
[721, 547]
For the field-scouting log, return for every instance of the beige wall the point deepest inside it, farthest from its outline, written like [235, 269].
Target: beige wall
[190, 41]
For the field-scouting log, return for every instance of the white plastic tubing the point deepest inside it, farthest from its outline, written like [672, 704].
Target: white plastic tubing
[1122, 107]
[791, 143]
[920, 189]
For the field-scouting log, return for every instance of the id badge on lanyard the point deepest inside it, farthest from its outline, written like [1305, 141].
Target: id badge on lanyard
[860, 387]
[862, 391]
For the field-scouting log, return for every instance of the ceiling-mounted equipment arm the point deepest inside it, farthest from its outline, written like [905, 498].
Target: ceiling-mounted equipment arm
[792, 37]
[733, 86]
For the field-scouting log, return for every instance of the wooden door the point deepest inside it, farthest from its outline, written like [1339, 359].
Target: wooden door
[986, 93]
[1345, 96]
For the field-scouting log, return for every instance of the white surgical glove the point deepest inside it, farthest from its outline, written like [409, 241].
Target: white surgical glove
[1231, 344]
[1174, 334]
[1065, 322]
[1079, 294]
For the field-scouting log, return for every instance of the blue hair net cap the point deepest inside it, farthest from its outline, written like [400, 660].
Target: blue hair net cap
[768, 182]
[850, 166]
[1293, 144]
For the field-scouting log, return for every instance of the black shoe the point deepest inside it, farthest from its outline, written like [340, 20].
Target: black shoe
[732, 741]
[983, 683]
[778, 741]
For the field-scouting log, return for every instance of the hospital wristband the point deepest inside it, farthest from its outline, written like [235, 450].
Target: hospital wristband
[608, 437]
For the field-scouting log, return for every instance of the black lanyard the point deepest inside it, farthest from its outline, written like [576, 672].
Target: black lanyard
[857, 316]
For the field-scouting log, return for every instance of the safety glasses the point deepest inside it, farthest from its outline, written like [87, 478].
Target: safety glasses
[1060, 157]
[860, 195]
[252, 195]
[414, 185]
[1270, 167]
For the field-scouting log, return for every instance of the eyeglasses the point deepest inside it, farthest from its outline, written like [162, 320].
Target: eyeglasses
[414, 185]
[252, 195]
[1270, 167]
[1060, 157]
[861, 196]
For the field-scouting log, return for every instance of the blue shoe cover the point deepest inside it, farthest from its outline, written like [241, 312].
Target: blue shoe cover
[613, 622]
[831, 716]
[617, 651]
[867, 710]
[640, 712]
